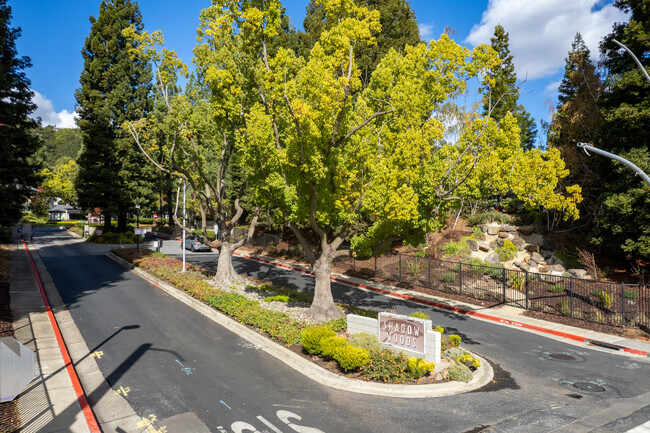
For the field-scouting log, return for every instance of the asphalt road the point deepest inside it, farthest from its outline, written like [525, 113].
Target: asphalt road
[180, 367]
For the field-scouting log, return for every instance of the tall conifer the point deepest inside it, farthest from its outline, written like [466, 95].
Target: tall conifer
[19, 144]
[114, 88]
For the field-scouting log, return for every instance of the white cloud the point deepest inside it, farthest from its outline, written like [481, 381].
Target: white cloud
[541, 32]
[45, 110]
[426, 31]
[551, 88]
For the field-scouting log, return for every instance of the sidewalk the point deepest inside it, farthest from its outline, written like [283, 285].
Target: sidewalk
[505, 315]
[49, 403]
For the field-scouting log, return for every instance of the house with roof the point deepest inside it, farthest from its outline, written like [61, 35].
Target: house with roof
[64, 212]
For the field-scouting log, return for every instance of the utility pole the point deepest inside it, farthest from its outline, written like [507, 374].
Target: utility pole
[137, 224]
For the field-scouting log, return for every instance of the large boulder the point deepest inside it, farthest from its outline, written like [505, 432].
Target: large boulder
[544, 269]
[509, 228]
[532, 248]
[548, 244]
[558, 268]
[500, 242]
[503, 234]
[483, 247]
[473, 245]
[579, 273]
[519, 243]
[537, 257]
[493, 230]
[534, 239]
[493, 245]
[526, 230]
[523, 266]
[483, 227]
[493, 258]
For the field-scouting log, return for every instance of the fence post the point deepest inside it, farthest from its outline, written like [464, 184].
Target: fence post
[503, 282]
[460, 278]
[623, 304]
[429, 271]
[354, 264]
[399, 267]
[571, 297]
[526, 288]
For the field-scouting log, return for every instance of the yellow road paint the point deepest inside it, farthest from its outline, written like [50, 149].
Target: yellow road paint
[97, 354]
[123, 391]
[148, 423]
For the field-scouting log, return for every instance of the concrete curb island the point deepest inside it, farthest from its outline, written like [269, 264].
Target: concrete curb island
[482, 376]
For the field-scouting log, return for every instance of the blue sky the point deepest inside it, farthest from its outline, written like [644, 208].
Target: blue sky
[541, 31]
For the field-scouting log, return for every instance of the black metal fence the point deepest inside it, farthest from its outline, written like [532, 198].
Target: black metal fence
[617, 304]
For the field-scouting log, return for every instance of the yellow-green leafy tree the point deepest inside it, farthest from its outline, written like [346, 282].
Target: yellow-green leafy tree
[60, 182]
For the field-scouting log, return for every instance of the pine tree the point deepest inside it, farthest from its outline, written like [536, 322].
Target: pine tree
[504, 94]
[576, 120]
[625, 219]
[19, 145]
[114, 88]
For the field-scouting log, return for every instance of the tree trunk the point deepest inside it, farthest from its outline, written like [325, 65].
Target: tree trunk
[121, 220]
[323, 307]
[107, 222]
[226, 274]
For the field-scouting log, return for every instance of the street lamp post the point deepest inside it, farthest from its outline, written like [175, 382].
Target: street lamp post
[137, 225]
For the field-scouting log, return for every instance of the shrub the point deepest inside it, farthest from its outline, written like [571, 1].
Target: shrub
[351, 358]
[629, 294]
[414, 266]
[508, 251]
[439, 329]
[451, 341]
[460, 248]
[330, 345]
[312, 337]
[420, 315]
[459, 372]
[477, 234]
[337, 325]
[448, 277]
[461, 356]
[5, 235]
[603, 298]
[488, 217]
[455, 339]
[365, 341]
[495, 271]
[277, 298]
[387, 366]
[518, 282]
[565, 308]
[557, 288]
[418, 367]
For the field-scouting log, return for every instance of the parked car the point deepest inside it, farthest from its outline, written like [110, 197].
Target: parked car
[195, 243]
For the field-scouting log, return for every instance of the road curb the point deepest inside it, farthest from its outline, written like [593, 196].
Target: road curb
[482, 376]
[459, 310]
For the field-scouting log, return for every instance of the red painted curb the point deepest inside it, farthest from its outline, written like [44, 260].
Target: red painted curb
[81, 396]
[448, 307]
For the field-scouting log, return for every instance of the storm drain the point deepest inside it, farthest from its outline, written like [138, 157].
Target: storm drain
[590, 387]
[561, 357]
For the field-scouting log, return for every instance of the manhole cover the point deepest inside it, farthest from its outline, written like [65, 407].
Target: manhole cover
[586, 386]
[562, 357]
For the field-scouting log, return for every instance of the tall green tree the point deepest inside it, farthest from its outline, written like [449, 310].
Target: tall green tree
[503, 95]
[114, 89]
[399, 28]
[576, 120]
[341, 161]
[19, 145]
[61, 145]
[625, 218]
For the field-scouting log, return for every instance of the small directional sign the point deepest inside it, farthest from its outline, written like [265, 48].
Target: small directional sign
[16, 368]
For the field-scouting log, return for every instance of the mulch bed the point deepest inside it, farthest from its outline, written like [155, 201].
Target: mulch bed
[9, 419]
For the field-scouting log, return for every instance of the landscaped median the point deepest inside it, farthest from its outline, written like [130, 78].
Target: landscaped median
[273, 319]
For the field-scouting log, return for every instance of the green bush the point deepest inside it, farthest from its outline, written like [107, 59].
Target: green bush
[517, 282]
[351, 358]
[312, 337]
[450, 341]
[495, 271]
[420, 315]
[557, 288]
[277, 298]
[459, 372]
[477, 234]
[603, 298]
[448, 277]
[508, 251]
[629, 294]
[387, 366]
[365, 341]
[5, 235]
[461, 356]
[329, 345]
[565, 308]
[418, 367]
[211, 234]
[488, 217]
[456, 249]
[337, 325]
[439, 329]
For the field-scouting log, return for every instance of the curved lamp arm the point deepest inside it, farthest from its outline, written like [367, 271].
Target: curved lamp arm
[624, 161]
